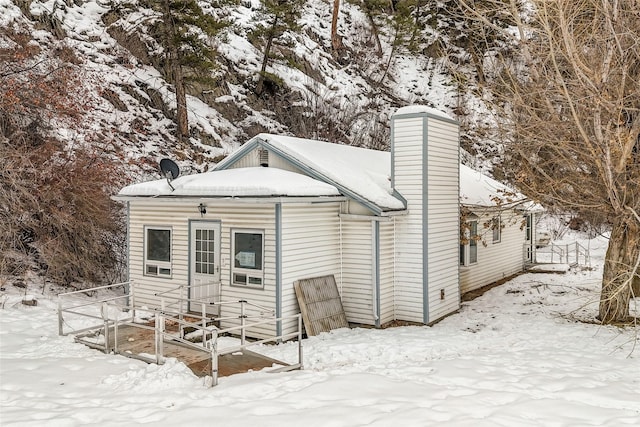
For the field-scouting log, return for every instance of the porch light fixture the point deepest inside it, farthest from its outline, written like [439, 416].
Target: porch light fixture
[202, 208]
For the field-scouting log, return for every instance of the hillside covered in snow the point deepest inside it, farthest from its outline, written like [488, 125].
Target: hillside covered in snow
[344, 96]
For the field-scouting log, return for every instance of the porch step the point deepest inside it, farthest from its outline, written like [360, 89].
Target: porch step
[549, 268]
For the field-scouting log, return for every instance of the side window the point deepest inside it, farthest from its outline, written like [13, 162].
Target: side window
[247, 247]
[157, 251]
[496, 227]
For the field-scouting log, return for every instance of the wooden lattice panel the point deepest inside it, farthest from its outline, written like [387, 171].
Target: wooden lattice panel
[320, 304]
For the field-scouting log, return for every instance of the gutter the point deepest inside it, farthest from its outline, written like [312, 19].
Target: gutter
[234, 199]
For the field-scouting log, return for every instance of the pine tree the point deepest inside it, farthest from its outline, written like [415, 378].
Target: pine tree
[280, 16]
[405, 28]
[186, 33]
[455, 20]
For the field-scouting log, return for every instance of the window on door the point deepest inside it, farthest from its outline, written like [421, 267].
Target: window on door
[157, 251]
[469, 250]
[496, 227]
[247, 247]
[205, 252]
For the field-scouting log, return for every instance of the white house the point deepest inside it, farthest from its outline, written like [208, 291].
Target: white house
[502, 222]
[281, 209]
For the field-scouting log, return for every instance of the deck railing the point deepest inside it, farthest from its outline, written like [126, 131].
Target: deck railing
[556, 253]
[71, 303]
[118, 311]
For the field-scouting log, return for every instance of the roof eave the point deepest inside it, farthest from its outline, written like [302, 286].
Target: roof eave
[235, 199]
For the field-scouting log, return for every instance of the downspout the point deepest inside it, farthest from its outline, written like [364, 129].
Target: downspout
[341, 251]
[425, 220]
[395, 270]
[375, 297]
[278, 220]
[128, 257]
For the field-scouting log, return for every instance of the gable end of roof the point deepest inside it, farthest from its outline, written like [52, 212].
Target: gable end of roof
[239, 154]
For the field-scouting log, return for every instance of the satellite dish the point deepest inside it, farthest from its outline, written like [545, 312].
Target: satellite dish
[170, 170]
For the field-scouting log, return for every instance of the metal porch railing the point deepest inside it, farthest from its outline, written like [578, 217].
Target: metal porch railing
[110, 314]
[573, 254]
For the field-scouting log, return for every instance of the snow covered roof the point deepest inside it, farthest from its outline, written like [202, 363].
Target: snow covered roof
[416, 109]
[256, 182]
[477, 189]
[359, 173]
[330, 170]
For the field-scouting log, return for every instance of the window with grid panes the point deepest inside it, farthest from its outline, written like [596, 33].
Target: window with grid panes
[205, 251]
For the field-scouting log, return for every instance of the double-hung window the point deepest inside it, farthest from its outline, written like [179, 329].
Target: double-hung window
[247, 247]
[157, 251]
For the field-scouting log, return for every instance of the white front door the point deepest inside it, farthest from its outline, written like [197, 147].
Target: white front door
[204, 256]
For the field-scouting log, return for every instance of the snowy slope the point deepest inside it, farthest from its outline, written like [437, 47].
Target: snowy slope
[346, 101]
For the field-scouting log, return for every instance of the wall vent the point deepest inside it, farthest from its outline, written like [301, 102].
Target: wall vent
[264, 158]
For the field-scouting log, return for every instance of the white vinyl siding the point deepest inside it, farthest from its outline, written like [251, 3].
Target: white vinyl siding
[176, 214]
[252, 159]
[439, 249]
[387, 276]
[357, 269]
[495, 261]
[408, 175]
[443, 218]
[153, 216]
[310, 248]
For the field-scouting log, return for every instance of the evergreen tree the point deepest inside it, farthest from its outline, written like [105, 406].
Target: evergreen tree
[281, 16]
[186, 37]
[405, 28]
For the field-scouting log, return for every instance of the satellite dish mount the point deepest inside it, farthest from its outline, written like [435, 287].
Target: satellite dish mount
[169, 170]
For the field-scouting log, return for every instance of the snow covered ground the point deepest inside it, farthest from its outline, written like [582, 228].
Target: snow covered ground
[517, 356]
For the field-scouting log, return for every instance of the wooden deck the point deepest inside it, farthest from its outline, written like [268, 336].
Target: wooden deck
[139, 343]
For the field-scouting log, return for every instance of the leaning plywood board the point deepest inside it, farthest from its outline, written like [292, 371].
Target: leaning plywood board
[320, 304]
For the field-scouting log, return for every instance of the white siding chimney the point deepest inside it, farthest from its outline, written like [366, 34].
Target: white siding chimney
[425, 171]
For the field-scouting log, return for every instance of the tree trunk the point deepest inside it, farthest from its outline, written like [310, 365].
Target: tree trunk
[621, 259]
[265, 59]
[336, 43]
[181, 103]
[175, 67]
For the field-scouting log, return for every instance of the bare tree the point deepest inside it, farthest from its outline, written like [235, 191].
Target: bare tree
[56, 216]
[568, 108]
